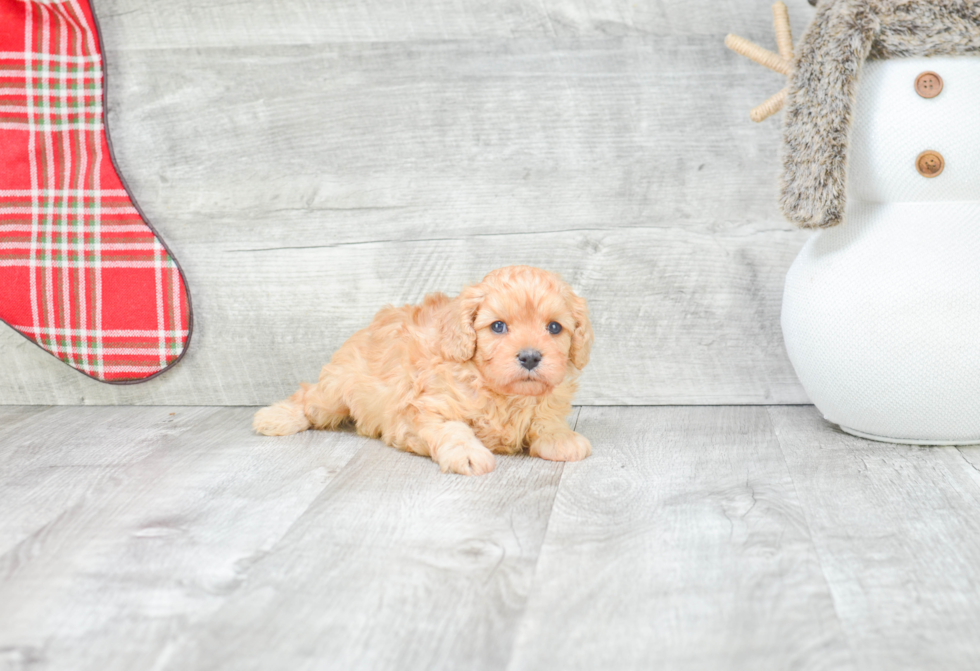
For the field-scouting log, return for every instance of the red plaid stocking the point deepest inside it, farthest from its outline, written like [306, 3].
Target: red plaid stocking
[81, 273]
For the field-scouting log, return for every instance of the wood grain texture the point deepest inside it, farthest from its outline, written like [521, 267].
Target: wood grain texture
[394, 566]
[12, 415]
[898, 535]
[50, 464]
[306, 171]
[304, 312]
[680, 544]
[141, 522]
[693, 538]
[218, 23]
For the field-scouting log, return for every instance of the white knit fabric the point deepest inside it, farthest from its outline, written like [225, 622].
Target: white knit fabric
[881, 315]
[892, 125]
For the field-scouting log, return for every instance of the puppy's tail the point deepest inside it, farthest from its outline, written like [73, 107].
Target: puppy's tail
[285, 417]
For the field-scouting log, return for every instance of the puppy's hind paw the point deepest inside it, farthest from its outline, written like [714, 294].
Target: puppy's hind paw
[465, 459]
[280, 419]
[565, 446]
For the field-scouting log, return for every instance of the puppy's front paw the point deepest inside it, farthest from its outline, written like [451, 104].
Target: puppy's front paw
[565, 446]
[469, 458]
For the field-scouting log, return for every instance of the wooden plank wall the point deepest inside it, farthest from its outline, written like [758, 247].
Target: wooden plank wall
[309, 162]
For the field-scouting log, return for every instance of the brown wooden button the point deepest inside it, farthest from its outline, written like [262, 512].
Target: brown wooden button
[928, 85]
[930, 163]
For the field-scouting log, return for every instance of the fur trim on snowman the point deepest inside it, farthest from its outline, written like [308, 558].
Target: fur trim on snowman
[826, 75]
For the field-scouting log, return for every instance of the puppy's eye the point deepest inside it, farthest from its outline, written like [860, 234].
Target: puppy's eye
[554, 328]
[498, 327]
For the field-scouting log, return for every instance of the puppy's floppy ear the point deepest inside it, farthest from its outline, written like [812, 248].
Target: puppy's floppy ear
[458, 334]
[582, 333]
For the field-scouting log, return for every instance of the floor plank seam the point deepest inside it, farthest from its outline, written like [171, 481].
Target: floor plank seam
[534, 578]
[537, 562]
[813, 544]
[975, 470]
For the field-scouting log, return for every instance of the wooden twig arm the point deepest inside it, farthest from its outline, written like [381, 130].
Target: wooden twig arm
[764, 57]
[781, 62]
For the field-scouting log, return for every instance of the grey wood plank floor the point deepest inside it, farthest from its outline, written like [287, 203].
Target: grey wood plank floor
[694, 538]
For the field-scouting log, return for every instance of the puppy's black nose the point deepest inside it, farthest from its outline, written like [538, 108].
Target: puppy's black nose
[529, 358]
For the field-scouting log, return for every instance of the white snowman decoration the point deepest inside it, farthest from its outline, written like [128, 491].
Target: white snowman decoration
[881, 309]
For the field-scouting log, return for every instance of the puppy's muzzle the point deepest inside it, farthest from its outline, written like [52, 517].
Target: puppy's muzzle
[529, 358]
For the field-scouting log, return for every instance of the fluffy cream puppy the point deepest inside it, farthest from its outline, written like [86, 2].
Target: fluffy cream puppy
[492, 370]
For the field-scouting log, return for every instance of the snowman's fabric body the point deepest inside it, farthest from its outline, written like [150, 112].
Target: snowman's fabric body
[881, 309]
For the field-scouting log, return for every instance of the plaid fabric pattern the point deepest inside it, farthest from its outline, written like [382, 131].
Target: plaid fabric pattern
[81, 273]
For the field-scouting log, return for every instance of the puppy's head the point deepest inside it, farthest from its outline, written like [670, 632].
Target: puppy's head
[523, 327]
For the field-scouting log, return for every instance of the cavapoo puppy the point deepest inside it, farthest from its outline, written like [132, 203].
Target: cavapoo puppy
[492, 370]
